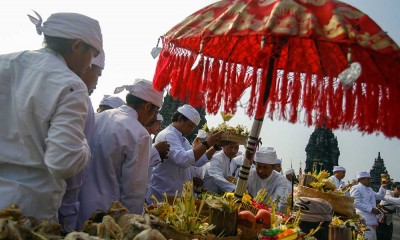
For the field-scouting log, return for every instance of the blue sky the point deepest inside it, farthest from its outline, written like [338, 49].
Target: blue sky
[131, 30]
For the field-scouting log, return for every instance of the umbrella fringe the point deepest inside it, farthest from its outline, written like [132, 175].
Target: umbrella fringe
[212, 86]
[194, 83]
[163, 70]
[369, 105]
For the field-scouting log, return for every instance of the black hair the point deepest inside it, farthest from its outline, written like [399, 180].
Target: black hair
[104, 107]
[61, 45]
[396, 185]
[177, 115]
[135, 102]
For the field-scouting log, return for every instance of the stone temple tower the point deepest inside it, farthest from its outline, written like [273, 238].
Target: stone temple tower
[322, 151]
[376, 173]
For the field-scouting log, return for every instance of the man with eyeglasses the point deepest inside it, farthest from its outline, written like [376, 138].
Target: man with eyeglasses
[170, 176]
[365, 202]
[121, 149]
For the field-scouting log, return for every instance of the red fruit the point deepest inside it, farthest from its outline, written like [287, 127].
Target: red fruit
[263, 217]
[246, 218]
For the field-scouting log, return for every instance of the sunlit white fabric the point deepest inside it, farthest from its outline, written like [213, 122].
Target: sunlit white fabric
[364, 200]
[170, 176]
[275, 184]
[216, 174]
[68, 212]
[44, 107]
[119, 164]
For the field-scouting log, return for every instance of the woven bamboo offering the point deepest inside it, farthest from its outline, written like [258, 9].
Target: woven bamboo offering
[338, 232]
[240, 139]
[306, 179]
[341, 204]
[238, 134]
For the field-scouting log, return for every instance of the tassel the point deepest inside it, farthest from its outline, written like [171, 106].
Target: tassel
[186, 83]
[160, 79]
[195, 83]
[253, 96]
[212, 87]
[295, 98]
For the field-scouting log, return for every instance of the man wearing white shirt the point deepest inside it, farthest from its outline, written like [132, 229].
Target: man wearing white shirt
[289, 174]
[365, 202]
[68, 212]
[278, 165]
[217, 174]
[44, 106]
[109, 102]
[263, 176]
[120, 150]
[170, 176]
[390, 205]
[339, 173]
[160, 150]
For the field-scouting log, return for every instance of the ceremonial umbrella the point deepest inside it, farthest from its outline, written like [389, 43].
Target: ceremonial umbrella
[294, 56]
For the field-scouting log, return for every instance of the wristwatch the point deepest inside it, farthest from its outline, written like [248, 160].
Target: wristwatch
[205, 143]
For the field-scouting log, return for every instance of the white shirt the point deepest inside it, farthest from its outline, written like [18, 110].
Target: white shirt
[43, 111]
[235, 165]
[339, 183]
[364, 200]
[275, 184]
[216, 174]
[289, 187]
[68, 212]
[170, 176]
[392, 203]
[119, 166]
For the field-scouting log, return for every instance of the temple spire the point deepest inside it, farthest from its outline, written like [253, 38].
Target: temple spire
[377, 172]
[322, 151]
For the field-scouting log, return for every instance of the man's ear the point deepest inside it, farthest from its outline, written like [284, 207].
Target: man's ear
[77, 45]
[147, 106]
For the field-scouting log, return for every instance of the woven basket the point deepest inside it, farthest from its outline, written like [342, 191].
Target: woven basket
[250, 233]
[342, 233]
[241, 140]
[340, 204]
[306, 179]
[176, 235]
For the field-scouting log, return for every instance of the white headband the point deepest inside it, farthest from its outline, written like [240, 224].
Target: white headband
[70, 26]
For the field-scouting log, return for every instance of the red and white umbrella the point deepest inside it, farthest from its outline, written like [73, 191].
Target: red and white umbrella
[293, 56]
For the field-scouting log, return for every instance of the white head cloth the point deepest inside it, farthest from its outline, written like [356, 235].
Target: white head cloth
[71, 26]
[159, 117]
[112, 101]
[266, 155]
[339, 168]
[143, 89]
[278, 161]
[288, 171]
[363, 175]
[99, 60]
[201, 133]
[190, 112]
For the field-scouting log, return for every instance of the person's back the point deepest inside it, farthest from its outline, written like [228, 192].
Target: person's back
[32, 85]
[121, 153]
[44, 107]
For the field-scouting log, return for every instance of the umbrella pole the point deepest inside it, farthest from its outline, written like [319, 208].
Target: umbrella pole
[248, 158]
[255, 131]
